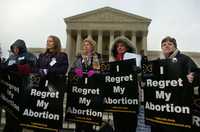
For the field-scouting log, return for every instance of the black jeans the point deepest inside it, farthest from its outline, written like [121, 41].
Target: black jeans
[125, 122]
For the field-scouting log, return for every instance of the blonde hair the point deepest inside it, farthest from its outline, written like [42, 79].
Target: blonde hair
[91, 41]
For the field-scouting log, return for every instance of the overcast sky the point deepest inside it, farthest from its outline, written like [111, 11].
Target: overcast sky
[34, 20]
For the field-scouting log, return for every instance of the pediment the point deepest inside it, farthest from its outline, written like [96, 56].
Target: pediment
[107, 14]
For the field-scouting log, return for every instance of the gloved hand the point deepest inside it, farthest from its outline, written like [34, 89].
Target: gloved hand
[90, 73]
[43, 72]
[24, 69]
[78, 72]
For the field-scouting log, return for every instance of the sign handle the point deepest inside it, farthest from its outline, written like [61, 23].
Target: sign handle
[161, 70]
[86, 80]
[117, 67]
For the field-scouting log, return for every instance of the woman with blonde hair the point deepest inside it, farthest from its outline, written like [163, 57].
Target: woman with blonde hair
[87, 63]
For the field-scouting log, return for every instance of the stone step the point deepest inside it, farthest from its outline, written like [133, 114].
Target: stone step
[66, 125]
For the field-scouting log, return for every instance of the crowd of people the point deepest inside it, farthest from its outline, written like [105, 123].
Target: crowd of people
[54, 62]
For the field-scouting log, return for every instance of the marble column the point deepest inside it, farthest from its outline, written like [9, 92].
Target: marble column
[144, 42]
[122, 33]
[133, 39]
[89, 32]
[110, 44]
[69, 45]
[99, 43]
[78, 42]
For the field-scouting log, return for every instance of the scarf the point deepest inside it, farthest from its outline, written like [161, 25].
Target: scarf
[162, 56]
[119, 57]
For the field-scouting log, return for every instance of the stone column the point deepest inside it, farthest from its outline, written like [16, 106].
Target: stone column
[133, 39]
[89, 34]
[111, 41]
[99, 43]
[78, 42]
[144, 42]
[122, 33]
[69, 45]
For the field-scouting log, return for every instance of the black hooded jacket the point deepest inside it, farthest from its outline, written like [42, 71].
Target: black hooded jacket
[16, 62]
[23, 57]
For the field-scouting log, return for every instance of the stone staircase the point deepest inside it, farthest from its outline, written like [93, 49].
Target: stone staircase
[67, 127]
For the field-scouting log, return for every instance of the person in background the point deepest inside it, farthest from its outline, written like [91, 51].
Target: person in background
[88, 63]
[144, 57]
[123, 122]
[141, 126]
[19, 65]
[170, 51]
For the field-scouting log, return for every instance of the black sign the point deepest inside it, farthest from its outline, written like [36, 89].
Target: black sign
[10, 90]
[84, 99]
[42, 107]
[196, 113]
[167, 94]
[120, 86]
[196, 103]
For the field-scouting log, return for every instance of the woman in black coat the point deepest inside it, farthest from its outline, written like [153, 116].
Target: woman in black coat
[170, 51]
[52, 65]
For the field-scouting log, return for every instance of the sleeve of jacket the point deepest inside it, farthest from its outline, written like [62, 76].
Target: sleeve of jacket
[190, 64]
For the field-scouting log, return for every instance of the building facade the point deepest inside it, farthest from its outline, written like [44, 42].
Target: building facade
[104, 25]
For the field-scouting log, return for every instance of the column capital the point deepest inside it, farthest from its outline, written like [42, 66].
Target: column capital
[89, 32]
[68, 30]
[78, 32]
[145, 33]
[112, 32]
[100, 31]
[122, 32]
[133, 33]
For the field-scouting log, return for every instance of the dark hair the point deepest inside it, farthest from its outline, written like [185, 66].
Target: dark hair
[128, 47]
[170, 39]
[56, 42]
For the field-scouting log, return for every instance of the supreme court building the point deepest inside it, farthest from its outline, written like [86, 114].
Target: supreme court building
[104, 25]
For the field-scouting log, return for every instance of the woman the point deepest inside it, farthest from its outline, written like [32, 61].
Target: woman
[52, 65]
[87, 63]
[170, 51]
[53, 61]
[123, 122]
